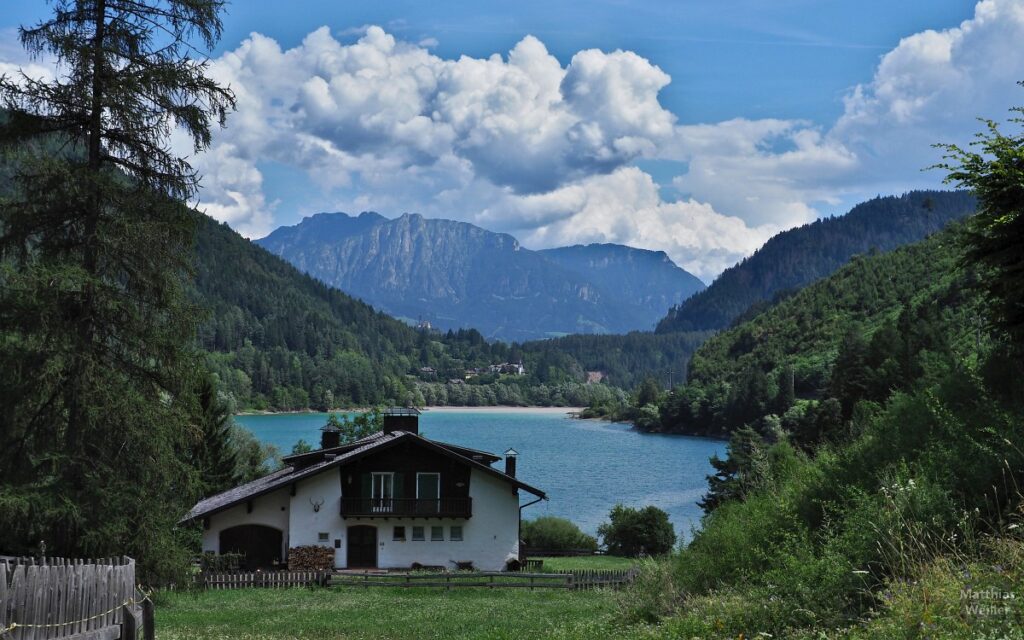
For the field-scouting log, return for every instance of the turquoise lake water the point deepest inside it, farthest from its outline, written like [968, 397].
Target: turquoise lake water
[584, 466]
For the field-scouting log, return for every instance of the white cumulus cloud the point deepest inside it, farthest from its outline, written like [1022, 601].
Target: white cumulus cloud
[929, 89]
[517, 143]
[625, 207]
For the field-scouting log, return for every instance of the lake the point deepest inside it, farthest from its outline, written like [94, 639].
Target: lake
[584, 466]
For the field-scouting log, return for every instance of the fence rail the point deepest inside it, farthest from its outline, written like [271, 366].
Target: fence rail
[571, 579]
[59, 598]
[577, 579]
[261, 579]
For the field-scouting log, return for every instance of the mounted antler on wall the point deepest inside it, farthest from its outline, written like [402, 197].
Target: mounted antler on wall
[316, 505]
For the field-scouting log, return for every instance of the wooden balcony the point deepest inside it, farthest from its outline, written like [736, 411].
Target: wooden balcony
[406, 507]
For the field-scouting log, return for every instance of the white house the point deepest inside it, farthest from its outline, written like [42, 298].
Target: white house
[390, 500]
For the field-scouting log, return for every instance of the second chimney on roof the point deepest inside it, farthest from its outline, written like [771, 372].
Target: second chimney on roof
[510, 462]
[330, 436]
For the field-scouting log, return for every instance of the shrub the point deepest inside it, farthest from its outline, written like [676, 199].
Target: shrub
[556, 534]
[635, 532]
[652, 596]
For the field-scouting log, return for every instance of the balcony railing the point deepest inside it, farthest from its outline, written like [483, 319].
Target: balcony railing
[406, 507]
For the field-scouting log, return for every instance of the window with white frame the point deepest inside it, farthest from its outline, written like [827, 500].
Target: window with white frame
[383, 491]
[455, 532]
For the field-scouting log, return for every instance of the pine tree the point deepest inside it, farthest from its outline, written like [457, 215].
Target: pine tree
[215, 454]
[993, 240]
[648, 392]
[742, 471]
[786, 397]
[850, 376]
[95, 247]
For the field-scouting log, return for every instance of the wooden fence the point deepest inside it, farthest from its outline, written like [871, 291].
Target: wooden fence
[59, 598]
[264, 579]
[577, 579]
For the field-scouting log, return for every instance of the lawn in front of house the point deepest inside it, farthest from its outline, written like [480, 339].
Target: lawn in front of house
[570, 563]
[391, 613]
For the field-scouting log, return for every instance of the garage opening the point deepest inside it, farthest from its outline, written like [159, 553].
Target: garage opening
[261, 545]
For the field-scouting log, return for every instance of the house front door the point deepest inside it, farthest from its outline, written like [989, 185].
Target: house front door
[362, 547]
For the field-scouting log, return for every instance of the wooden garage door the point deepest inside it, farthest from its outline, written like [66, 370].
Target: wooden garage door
[261, 545]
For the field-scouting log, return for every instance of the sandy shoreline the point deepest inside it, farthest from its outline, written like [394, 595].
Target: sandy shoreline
[547, 410]
[442, 409]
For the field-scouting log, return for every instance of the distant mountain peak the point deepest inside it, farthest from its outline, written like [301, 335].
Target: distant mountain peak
[458, 275]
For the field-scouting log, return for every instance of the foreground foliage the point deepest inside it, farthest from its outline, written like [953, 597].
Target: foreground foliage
[552, 533]
[637, 532]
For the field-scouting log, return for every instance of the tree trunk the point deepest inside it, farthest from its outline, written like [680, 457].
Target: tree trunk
[90, 241]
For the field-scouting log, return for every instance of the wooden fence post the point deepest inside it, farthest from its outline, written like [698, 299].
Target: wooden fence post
[148, 620]
[129, 623]
[3, 595]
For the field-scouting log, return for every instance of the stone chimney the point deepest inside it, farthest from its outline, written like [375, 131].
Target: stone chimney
[402, 419]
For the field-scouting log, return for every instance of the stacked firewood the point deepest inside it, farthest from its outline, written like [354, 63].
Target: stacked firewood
[310, 558]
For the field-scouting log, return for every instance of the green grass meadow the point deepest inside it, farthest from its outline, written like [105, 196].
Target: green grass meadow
[602, 563]
[391, 613]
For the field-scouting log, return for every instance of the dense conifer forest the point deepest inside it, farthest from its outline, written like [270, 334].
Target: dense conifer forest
[856, 335]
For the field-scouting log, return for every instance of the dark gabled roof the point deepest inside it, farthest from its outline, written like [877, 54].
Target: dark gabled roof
[302, 460]
[473, 454]
[337, 456]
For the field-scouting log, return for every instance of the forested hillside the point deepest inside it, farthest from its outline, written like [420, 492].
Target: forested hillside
[797, 257]
[791, 360]
[282, 339]
[624, 360]
[279, 339]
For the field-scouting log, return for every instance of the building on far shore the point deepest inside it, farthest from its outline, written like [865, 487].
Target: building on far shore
[391, 500]
[510, 368]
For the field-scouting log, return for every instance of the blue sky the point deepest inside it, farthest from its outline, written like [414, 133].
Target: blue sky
[766, 59]
[699, 128]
